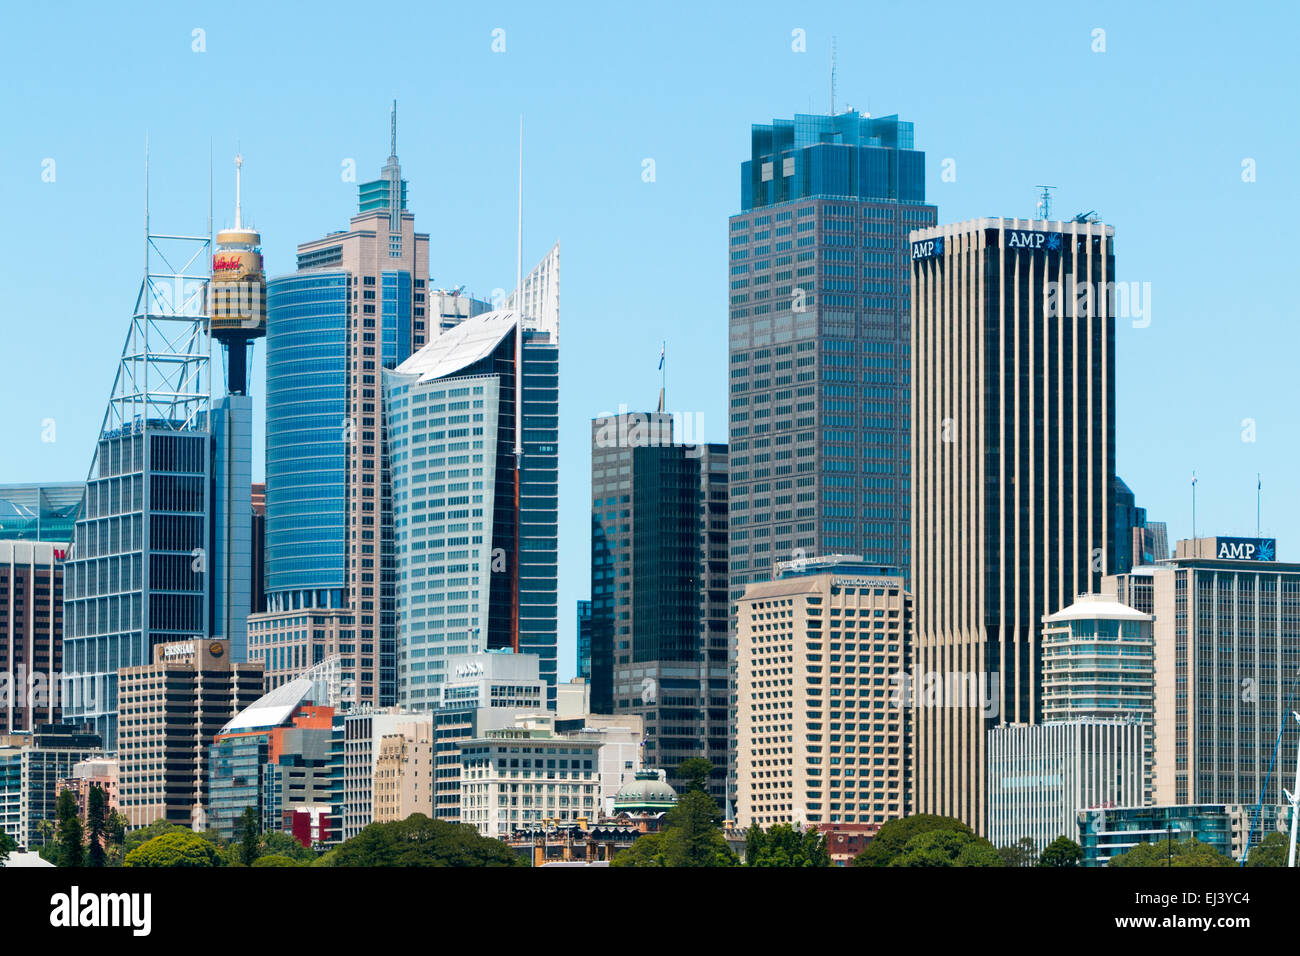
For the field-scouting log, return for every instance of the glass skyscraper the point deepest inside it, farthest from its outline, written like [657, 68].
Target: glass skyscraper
[43, 511]
[138, 568]
[451, 415]
[356, 306]
[819, 341]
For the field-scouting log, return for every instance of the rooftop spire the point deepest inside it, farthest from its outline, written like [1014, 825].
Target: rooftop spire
[239, 164]
[392, 155]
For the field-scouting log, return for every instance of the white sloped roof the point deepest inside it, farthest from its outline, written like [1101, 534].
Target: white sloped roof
[1096, 607]
[460, 346]
[272, 709]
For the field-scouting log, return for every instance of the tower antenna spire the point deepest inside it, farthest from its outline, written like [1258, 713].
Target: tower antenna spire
[393, 150]
[1045, 202]
[833, 41]
[239, 164]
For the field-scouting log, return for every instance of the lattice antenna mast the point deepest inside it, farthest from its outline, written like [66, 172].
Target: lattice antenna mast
[833, 41]
[1045, 202]
[163, 376]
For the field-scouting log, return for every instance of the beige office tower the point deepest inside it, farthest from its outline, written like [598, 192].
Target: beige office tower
[1013, 466]
[168, 714]
[404, 772]
[821, 735]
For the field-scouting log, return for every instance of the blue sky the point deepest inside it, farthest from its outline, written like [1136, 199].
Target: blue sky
[1152, 133]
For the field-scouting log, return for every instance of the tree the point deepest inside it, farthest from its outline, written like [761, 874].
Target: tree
[696, 772]
[947, 847]
[690, 837]
[420, 841]
[115, 829]
[1189, 852]
[69, 834]
[1273, 850]
[278, 843]
[96, 826]
[894, 835]
[1062, 852]
[1021, 853]
[177, 849]
[7, 845]
[276, 859]
[783, 845]
[250, 832]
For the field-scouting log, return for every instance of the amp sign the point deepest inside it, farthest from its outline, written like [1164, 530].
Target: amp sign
[1246, 549]
[927, 248]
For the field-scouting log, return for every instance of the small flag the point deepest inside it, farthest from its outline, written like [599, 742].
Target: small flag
[661, 355]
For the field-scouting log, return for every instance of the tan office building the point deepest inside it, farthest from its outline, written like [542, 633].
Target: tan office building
[1013, 471]
[169, 713]
[404, 773]
[821, 730]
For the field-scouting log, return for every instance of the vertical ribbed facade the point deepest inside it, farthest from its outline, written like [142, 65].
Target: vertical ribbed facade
[1041, 775]
[1013, 463]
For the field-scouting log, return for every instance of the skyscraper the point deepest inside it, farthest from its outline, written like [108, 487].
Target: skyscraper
[31, 633]
[1013, 466]
[477, 546]
[138, 572]
[355, 306]
[1227, 649]
[822, 739]
[41, 511]
[819, 340]
[659, 609]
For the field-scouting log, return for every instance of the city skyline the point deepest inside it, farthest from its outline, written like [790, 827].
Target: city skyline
[1144, 174]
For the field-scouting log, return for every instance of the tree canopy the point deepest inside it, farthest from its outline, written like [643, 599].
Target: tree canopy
[420, 841]
[695, 771]
[175, 850]
[894, 835]
[1061, 852]
[783, 845]
[1189, 852]
[1273, 850]
[947, 847]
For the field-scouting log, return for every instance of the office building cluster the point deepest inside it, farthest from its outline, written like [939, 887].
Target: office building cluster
[910, 580]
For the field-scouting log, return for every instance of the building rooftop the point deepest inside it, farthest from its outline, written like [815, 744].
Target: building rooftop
[1088, 607]
[460, 346]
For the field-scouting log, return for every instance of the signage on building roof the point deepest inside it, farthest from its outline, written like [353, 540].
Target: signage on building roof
[927, 248]
[173, 651]
[1246, 549]
[1033, 239]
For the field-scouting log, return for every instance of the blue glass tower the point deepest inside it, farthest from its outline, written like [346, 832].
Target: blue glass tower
[820, 339]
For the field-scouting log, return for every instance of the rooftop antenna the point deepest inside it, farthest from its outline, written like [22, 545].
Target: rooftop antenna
[832, 76]
[1259, 492]
[519, 386]
[1045, 201]
[239, 164]
[1198, 547]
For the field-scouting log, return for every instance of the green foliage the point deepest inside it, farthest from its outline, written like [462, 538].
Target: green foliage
[137, 838]
[1062, 852]
[894, 835]
[419, 841]
[175, 850]
[1021, 853]
[276, 859]
[96, 826]
[783, 845]
[696, 772]
[115, 828]
[250, 831]
[947, 847]
[1273, 850]
[69, 839]
[690, 837]
[278, 843]
[7, 845]
[1189, 852]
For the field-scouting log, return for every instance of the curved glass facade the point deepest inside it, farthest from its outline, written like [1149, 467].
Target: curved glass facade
[306, 420]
